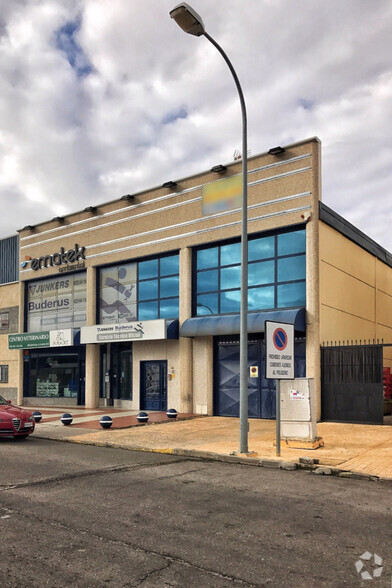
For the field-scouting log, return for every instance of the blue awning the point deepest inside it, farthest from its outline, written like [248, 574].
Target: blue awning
[229, 324]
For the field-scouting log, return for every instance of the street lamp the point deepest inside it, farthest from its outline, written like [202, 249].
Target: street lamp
[191, 23]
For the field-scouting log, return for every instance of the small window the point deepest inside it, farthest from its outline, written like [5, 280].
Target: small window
[4, 321]
[4, 374]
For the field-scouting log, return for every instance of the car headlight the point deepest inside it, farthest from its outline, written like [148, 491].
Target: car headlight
[30, 418]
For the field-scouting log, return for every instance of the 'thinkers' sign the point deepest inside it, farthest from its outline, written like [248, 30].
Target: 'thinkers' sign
[279, 361]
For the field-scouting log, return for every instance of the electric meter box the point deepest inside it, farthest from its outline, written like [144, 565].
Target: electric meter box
[298, 409]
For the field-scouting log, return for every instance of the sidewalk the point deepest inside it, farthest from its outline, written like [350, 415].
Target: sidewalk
[360, 449]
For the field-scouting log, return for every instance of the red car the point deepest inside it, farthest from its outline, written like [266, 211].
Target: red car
[15, 421]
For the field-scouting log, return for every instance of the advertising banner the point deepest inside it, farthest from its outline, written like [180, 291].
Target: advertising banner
[135, 331]
[56, 302]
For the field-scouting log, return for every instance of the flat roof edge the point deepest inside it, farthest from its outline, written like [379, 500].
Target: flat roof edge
[343, 226]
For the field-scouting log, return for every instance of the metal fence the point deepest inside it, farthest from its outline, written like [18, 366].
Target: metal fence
[352, 383]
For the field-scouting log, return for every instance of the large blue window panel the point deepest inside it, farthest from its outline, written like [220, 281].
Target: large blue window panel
[207, 258]
[148, 290]
[168, 308]
[148, 311]
[207, 281]
[260, 273]
[261, 298]
[169, 265]
[207, 304]
[293, 242]
[230, 277]
[169, 287]
[148, 269]
[291, 268]
[291, 295]
[230, 301]
[262, 248]
[231, 254]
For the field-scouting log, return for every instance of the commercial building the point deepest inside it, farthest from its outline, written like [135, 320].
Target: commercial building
[135, 303]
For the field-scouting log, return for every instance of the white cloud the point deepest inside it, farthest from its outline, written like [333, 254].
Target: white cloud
[87, 117]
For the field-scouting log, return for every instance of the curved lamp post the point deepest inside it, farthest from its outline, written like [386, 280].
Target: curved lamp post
[191, 23]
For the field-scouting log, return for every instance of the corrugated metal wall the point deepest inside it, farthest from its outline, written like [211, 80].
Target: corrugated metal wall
[9, 266]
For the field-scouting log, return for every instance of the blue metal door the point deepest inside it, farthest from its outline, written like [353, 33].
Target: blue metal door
[153, 385]
[227, 398]
[261, 392]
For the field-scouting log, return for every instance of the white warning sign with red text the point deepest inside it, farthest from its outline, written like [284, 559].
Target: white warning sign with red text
[279, 351]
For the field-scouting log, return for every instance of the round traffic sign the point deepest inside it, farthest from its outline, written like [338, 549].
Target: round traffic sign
[280, 339]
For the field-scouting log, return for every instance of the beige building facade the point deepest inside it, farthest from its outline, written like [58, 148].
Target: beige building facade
[135, 303]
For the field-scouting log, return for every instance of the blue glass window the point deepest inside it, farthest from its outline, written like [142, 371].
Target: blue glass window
[148, 269]
[148, 311]
[168, 308]
[230, 301]
[293, 242]
[169, 287]
[207, 258]
[207, 281]
[148, 290]
[231, 277]
[261, 298]
[291, 268]
[276, 274]
[291, 295]
[230, 254]
[144, 290]
[262, 248]
[169, 265]
[207, 304]
[261, 273]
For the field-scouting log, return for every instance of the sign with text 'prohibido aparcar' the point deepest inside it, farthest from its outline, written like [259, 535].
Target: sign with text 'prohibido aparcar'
[279, 351]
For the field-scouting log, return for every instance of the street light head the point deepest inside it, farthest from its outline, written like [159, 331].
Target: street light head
[188, 19]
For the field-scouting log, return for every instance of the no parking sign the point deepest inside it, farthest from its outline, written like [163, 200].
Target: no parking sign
[279, 353]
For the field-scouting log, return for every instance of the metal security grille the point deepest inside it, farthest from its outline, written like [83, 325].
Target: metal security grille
[352, 383]
[9, 267]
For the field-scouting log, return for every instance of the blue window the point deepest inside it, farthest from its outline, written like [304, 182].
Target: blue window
[293, 242]
[230, 254]
[230, 277]
[207, 304]
[207, 258]
[139, 290]
[291, 268]
[261, 248]
[262, 272]
[276, 274]
[291, 294]
[207, 281]
[148, 269]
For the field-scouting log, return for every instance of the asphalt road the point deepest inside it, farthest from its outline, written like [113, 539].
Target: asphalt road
[83, 516]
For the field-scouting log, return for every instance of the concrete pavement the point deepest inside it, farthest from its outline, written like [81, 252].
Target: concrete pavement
[349, 450]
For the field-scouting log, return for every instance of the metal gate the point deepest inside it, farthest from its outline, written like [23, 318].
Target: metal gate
[352, 384]
[261, 392]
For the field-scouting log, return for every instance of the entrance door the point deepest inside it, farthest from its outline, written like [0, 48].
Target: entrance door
[261, 392]
[153, 385]
[121, 372]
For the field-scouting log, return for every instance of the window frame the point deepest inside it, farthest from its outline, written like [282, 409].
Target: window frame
[6, 326]
[4, 373]
[275, 258]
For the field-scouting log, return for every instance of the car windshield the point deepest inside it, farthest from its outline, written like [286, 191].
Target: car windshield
[3, 400]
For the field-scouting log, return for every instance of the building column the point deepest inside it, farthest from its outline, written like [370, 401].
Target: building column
[92, 349]
[313, 353]
[185, 344]
[19, 393]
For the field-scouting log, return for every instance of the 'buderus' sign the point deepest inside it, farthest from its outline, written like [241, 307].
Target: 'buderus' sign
[62, 257]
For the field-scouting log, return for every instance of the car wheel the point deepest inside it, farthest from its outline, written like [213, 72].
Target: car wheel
[20, 436]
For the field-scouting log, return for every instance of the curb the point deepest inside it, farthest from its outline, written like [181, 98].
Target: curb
[307, 464]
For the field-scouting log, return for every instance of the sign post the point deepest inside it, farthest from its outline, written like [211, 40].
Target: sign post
[279, 361]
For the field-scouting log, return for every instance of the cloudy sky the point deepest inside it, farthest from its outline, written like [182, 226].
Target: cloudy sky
[100, 98]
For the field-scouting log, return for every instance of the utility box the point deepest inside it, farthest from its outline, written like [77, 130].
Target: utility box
[298, 409]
